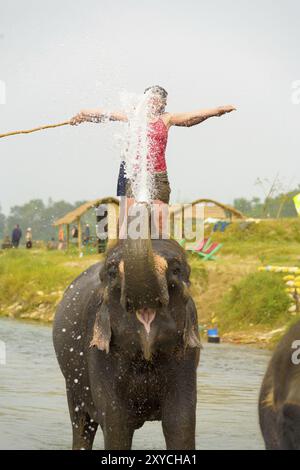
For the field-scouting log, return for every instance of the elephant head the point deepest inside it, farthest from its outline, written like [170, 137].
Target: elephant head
[145, 300]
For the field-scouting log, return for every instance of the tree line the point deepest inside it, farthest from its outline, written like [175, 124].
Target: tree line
[281, 205]
[39, 216]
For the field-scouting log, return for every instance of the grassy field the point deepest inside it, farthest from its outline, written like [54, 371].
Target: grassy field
[247, 306]
[244, 318]
[33, 281]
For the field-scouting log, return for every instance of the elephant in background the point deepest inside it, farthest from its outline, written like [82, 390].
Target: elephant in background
[279, 401]
[127, 342]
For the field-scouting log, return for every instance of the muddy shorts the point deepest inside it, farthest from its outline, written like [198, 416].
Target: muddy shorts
[161, 187]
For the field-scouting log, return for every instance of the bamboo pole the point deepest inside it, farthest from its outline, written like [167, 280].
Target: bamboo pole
[35, 129]
[68, 236]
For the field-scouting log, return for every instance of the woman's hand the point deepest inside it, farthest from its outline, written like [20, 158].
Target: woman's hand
[225, 109]
[87, 115]
[78, 119]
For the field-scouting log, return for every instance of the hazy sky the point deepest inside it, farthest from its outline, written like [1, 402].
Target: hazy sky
[59, 56]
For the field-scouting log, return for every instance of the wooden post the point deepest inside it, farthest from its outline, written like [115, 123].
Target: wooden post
[79, 233]
[68, 236]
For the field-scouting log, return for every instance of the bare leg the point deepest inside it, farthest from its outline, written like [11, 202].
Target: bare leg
[125, 204]
[160, 213]
[160, 210]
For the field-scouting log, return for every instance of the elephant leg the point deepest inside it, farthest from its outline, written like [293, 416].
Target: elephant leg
[120, 439]
[269, 428]
[179, 418]
[179, 428]
[83, 427]
[117, 432]
[289, 426]
[84, 433]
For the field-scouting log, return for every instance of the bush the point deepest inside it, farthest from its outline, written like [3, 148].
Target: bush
[259, 298]
[279, 230]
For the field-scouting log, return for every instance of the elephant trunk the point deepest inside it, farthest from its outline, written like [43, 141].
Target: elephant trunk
[141, 282]
[144, 281]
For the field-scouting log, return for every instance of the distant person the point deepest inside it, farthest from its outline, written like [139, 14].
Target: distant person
[28, 238]
[87, 234]
[74, 232]
[16, 236]
[61, 238]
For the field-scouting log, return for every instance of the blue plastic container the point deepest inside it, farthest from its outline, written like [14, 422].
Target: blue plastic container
[213, 335]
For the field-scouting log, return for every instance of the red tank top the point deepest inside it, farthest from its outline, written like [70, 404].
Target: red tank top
[157, 143]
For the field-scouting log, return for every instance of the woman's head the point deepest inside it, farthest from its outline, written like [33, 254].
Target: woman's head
[157, 98]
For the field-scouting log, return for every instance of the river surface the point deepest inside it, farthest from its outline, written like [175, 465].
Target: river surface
[33, 405]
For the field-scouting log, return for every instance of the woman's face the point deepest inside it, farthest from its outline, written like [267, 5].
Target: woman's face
[157, 103]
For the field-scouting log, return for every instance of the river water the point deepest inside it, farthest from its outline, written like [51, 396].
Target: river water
[33, 406]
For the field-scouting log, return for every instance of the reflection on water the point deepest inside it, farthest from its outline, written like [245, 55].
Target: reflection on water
[33, 405]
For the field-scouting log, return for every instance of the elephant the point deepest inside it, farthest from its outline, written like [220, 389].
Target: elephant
[279, 400]
[127, 342]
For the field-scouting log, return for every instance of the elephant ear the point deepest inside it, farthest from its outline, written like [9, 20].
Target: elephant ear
[102, 329]
[191, 337]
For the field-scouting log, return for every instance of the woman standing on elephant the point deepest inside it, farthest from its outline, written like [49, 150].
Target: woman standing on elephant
[159, 123]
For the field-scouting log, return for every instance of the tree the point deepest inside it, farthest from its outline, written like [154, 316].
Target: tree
[243, 205]
[40, 217]
[281, 205]
[2, 224]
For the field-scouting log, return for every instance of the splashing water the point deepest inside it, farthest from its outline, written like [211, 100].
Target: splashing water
[135, 145]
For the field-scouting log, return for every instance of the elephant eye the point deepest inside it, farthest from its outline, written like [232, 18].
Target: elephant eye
[176, 271]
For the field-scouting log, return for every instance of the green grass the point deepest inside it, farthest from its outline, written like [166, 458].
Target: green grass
[247, 308]
[267, 242]
[258, 299]
[199, 273]
[273, 230]
[30, 279]
[229, 291]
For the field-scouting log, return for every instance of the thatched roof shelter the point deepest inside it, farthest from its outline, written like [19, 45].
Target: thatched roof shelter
[76, 214]
[72, 216]
[218, 210]
[213, 209]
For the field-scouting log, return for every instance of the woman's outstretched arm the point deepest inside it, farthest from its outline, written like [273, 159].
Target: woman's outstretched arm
[193, 118]
[97, 115]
